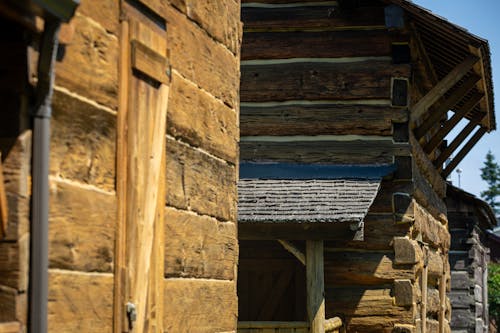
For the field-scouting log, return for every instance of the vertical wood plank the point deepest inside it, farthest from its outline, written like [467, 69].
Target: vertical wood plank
[315, 285]
[155, 299]
[146, 139]
[119, 318]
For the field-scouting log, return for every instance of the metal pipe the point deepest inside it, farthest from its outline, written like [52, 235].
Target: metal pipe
[40, 173]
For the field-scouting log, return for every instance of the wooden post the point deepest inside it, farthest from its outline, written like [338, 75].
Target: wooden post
[315, 285]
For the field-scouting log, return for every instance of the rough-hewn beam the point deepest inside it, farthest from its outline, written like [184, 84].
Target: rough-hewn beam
[464, 151]
[297, 253]
[315, 285]
[442, 87]
[447, 105]
[464, 133]
[451, 123]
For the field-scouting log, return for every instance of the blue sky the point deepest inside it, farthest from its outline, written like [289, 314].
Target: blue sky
[480, 18]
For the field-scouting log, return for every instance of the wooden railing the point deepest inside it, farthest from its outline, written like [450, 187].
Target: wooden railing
[332, 325]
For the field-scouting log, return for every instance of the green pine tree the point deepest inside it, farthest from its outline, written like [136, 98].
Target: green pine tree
[490, 173]
[494, 291]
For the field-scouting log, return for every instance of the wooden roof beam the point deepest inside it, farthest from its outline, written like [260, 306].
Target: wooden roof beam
[447, 105]
[464, 151]
[421, 107]
[423, 57]
[464, 133]
[451, 123]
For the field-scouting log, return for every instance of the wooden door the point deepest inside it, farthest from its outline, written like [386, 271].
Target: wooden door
[144, 89]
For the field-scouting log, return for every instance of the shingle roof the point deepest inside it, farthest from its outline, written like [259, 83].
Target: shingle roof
[305, 201]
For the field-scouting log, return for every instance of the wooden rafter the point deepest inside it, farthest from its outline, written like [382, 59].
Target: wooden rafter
[464, 133]
[421, 107]
[464, 151]
[440, 111]
[429, 71]
[451, 123]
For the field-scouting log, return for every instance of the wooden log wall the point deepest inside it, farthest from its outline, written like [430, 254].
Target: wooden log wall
[195, 251]
[469, 261]
[320, 69]
[15, 150]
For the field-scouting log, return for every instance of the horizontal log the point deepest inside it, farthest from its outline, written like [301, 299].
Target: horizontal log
[320, 120]
[14, 263]
[326, 17]
[461, 299]
[362, 301]
[80, 302]
[364, 268]
[200, 181]
[374, 324]
[319, 81]
[272, 324]
[294, 231]
[212, 305]
[83, 141]
[324, 44]
[199, 246]
[82, 228]
[340, 152]
[10, 327]
[380, 229]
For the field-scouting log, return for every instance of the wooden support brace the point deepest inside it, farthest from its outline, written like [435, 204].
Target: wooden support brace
[3, 204]
[315, 285]
[424, 276]
[442, 87]
[451, 123]
[293, 250]
[464, 151]
[447, 105]
[464, 133]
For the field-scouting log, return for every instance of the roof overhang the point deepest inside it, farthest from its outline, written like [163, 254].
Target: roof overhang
[456, 67]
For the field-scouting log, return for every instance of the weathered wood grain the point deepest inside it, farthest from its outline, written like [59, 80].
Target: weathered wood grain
[103, 12]
[364, 268]
[197, 118]
[202, 60]
[14, 263]
[83, 141]
[363, 301]
[9, 300]
[432, 230]
[319, 120]
[341, 152]
[315, 284]
[4, 209]
[199, 246]
[82, 228]
[147, 117]
[322, 44]
[205, 184]
[10, 327]
[16, 172]
[319, 81]
[326, 17]
[210, 307]
[219, 18]
[80, 302]
[89, 65]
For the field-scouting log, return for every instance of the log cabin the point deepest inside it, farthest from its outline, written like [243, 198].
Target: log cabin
[130, 217]
[124, 219]
[470, 223]
[345, 113]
